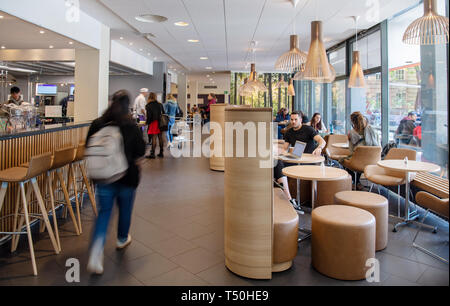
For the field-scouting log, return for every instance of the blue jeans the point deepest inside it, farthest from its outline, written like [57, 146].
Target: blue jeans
[169, 132]
[106, 195]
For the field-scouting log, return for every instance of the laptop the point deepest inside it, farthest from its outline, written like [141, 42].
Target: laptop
[297, 153]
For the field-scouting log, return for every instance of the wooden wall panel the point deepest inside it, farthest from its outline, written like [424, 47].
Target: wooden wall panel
[17, 151]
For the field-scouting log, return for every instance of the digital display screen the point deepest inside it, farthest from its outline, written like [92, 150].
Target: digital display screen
[72, 89]
[46, 90]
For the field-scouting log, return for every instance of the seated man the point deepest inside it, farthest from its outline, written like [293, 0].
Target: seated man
[283, 120]
[303, 133]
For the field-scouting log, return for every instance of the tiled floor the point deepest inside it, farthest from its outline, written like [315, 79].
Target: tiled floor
[177, 235]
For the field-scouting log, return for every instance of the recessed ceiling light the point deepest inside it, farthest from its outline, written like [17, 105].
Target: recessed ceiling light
[121, 38]
[70, 42]
[181, 24]
[42, 32]
[155, 58]
[149, 54]
[141, 50]
[3, 47]
[203, 58]
[130, 43]
[207, 75]
[51, 47]
[209, 68]
[150, 18]
[1, 17]
[193, 40]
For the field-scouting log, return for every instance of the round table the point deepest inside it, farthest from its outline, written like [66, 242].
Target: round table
[315, 174]
[305, 159]
[408, 167]
[341, 145]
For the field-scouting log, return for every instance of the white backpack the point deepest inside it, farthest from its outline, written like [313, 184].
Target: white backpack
[105, 157]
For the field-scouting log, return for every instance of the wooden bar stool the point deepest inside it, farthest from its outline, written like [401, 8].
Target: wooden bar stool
[61, 158]
[86, 187]
[21, 175]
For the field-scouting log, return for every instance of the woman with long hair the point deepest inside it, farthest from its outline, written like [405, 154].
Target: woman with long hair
[170, 108]
[154, 112]
[361, 134]
[317, 124]
[123, 191]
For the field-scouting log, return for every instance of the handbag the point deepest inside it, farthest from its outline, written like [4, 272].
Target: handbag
[164, 123]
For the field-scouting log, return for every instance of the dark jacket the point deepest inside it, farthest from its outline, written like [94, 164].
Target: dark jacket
[154, 111]
[133, 144]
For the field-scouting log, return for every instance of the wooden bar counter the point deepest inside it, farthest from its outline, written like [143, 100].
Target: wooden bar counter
[17, 148]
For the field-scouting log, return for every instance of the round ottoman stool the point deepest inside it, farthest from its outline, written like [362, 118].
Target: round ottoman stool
[376, 204]
[343, 239]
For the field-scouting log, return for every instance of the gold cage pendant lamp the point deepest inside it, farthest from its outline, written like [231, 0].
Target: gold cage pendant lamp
[317, 67]
[281, 83]
[293, 59]
[430, 29]
[356, 79]
[291, 89]
[245, 91]
[254, 82]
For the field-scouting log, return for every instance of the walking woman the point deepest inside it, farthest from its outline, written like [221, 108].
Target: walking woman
[123, 191]
[170, 108]
[154, 111]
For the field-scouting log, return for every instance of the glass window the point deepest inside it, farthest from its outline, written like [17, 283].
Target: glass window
[368, 101]
[338, 93]
[370, 50]
[418, 83]
[337, 59]
[318, 100]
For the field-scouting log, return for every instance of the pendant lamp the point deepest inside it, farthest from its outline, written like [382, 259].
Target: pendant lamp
[293, 59]
[281, 84]
[317, 66]
[430, 29]
[331, 78]
[356, 79]
[291, 90]
[244, 91]
[299, 75]
[254, 85]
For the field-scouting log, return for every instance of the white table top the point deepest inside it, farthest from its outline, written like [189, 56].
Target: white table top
[341, 145]
[305, 159]
[315, 173]
[412, 166]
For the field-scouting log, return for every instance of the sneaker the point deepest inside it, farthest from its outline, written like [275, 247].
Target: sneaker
[121, 244]
[95, 264]
[294, 203]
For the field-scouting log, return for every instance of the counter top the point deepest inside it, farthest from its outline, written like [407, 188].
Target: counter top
[43, 129]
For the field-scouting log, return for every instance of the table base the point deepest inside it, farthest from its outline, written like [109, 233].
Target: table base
[306, 237]
[412, 220]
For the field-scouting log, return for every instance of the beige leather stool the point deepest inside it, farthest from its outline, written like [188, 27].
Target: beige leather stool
[21, 175]
[285, 232]
[343, 239]
[376, 204]
[86, 187]
[327, 189]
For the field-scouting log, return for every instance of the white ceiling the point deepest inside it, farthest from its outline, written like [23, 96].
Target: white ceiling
[18, 34]
[226, 28]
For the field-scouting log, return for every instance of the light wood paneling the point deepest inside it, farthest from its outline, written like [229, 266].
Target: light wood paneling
[248, 203]
[17, 151]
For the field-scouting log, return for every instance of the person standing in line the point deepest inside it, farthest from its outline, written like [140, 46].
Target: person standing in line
[154, 111]
[211, 100]
[124, 190]
[170, 108]
[140, 103]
